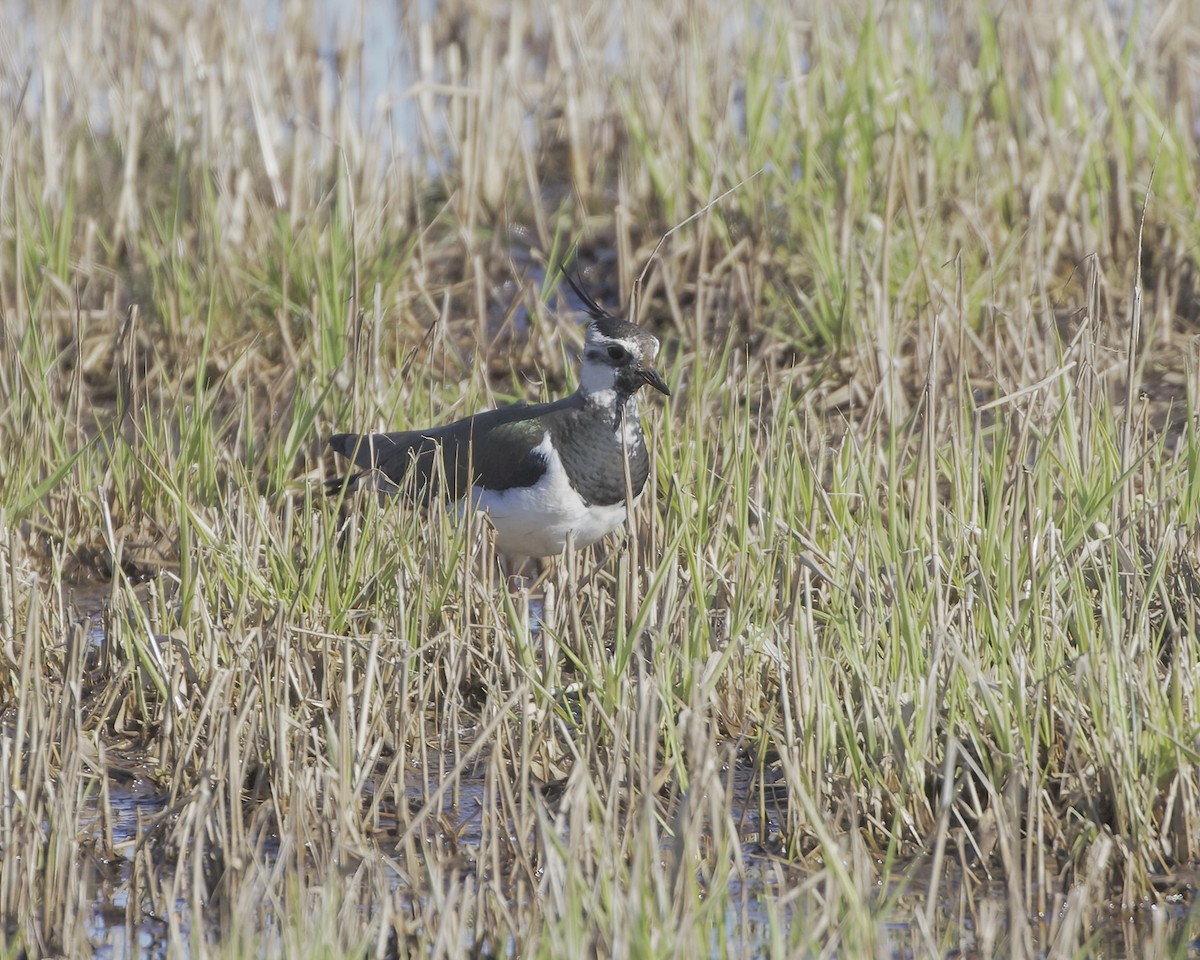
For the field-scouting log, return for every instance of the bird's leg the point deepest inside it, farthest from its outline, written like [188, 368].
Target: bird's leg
[597, 567]
[519, 573]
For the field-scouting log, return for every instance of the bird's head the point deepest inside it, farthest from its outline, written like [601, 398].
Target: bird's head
[617, 355]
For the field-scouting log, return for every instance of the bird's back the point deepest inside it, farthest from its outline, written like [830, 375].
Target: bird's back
[494, 450]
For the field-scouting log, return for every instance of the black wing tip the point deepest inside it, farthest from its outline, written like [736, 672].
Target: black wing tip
[347, 445]
[343, 443]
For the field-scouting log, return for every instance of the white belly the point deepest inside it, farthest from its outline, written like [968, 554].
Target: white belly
[539, 521]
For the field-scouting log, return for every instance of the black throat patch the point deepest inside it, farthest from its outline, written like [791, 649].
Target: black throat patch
[593, 445]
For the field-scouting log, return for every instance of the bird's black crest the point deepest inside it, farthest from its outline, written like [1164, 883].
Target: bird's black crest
[595, 311]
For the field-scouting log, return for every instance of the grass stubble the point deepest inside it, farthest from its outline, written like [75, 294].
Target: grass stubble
[933, 345]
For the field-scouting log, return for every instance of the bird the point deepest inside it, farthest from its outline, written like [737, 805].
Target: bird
[547, 475]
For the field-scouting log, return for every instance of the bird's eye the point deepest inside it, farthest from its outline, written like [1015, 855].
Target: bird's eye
[618, 353]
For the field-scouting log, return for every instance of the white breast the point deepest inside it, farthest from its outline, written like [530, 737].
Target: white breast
[539, 521]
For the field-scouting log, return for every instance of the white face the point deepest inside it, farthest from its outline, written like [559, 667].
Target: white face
[607, 359]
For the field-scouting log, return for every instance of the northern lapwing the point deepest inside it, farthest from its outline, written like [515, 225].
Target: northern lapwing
[547, 475]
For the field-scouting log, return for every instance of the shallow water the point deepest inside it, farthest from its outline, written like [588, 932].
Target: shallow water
[763, 902]
[766, 895]
[109, 927]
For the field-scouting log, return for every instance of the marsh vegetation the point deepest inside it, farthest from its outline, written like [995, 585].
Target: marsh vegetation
[941, 343]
